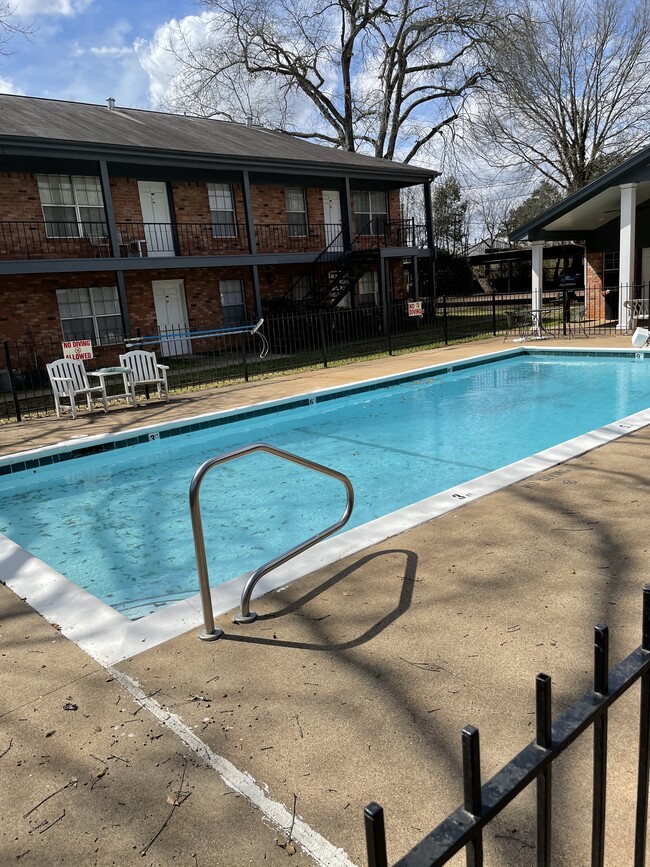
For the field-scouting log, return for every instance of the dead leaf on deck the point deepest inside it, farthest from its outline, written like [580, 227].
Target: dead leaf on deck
[178, 798]
[287, 845]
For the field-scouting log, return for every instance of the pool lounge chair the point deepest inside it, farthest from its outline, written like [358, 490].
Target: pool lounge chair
[638, 309]
[69, 380]
[146, 370]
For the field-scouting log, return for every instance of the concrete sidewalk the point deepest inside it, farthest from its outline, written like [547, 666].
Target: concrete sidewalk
[352, 686]
[90, 777]
[355, 683]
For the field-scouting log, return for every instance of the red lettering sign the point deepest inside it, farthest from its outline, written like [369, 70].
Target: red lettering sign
[81, 350]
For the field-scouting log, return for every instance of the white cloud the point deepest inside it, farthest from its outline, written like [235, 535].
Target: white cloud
[67, 8]
[159, 57]
[175, 86]
[104, 51]
[7, 86]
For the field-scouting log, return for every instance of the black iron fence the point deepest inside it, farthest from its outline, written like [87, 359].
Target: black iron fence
[60, 239]
[320, 338]
[463, 829]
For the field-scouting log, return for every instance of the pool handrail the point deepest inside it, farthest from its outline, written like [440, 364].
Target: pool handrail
[245, 615]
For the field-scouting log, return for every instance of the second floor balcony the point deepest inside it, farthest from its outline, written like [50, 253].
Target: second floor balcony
[30, 239]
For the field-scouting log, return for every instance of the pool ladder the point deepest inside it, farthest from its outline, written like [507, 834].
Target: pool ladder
[245, 615]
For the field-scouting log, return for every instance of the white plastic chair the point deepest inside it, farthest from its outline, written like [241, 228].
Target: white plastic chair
[146, 370]
[578, 320]
[641, 338]
[69, 379]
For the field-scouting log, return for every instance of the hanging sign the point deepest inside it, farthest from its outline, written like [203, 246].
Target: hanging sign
[415, 308]
[79, 349]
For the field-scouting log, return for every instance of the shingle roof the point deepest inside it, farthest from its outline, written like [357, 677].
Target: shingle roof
[49, 120]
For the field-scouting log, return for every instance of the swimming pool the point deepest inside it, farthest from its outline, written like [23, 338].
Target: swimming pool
[400, 440]
[122, 528]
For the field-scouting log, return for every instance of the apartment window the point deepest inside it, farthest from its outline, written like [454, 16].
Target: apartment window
[367, 290]
[90, 314]
[610, 270]
[370, 212]
[73, 206]
[222, 210]
[301, 288]
[296, 211]
[232, 302]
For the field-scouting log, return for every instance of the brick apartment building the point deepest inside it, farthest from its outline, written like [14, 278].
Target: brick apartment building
[117, 221]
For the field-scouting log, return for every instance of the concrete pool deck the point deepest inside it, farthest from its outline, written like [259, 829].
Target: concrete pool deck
[352, 686]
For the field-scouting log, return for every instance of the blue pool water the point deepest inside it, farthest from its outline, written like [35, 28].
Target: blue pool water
[117, 523]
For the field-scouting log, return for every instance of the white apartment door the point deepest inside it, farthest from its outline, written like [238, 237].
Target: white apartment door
[332, 219]
[156, 218]
[171, 316]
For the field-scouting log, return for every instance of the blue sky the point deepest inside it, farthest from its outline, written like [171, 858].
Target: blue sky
[88, 50]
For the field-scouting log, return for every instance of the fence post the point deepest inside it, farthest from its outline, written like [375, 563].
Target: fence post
[644, 745]
[601, 687]
[472, 800]
[445, 323]
[544, 781]
[243, 355]
[323, 344]
[12, 383]
[390, 329]
[373, 817]
[494, 313]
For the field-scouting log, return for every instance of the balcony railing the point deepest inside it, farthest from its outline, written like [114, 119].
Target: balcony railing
[31, 239]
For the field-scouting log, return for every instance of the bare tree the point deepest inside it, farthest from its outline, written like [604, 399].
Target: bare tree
[10, 26]
[570, 92]
[490, 209]
[543, 197]
[384, 76]
[450, 217]
[208, 84]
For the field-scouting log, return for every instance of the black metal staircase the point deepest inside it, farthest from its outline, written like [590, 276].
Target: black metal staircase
[336, 272]
[332, 280]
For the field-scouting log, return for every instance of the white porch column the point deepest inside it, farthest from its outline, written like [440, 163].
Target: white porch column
[537, 285]
[626, 253]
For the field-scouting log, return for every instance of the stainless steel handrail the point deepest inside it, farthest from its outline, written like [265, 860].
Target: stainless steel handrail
[245, 615]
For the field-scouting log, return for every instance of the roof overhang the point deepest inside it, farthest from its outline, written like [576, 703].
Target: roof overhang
[398, 174]
[592, 207]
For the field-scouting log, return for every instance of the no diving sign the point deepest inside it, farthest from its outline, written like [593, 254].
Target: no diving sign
[81, 350]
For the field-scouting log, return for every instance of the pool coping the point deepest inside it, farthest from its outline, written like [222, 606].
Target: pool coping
[110, 637]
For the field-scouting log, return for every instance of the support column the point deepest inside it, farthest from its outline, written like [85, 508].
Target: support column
[252, 241]
[383, 293]
[105, 184]
[248, 213]
[626, 253]
[537, 285]
[428, 219]
[346, 215]
[124, 309]
[114, 244]
[415, 282]
[257, 295]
